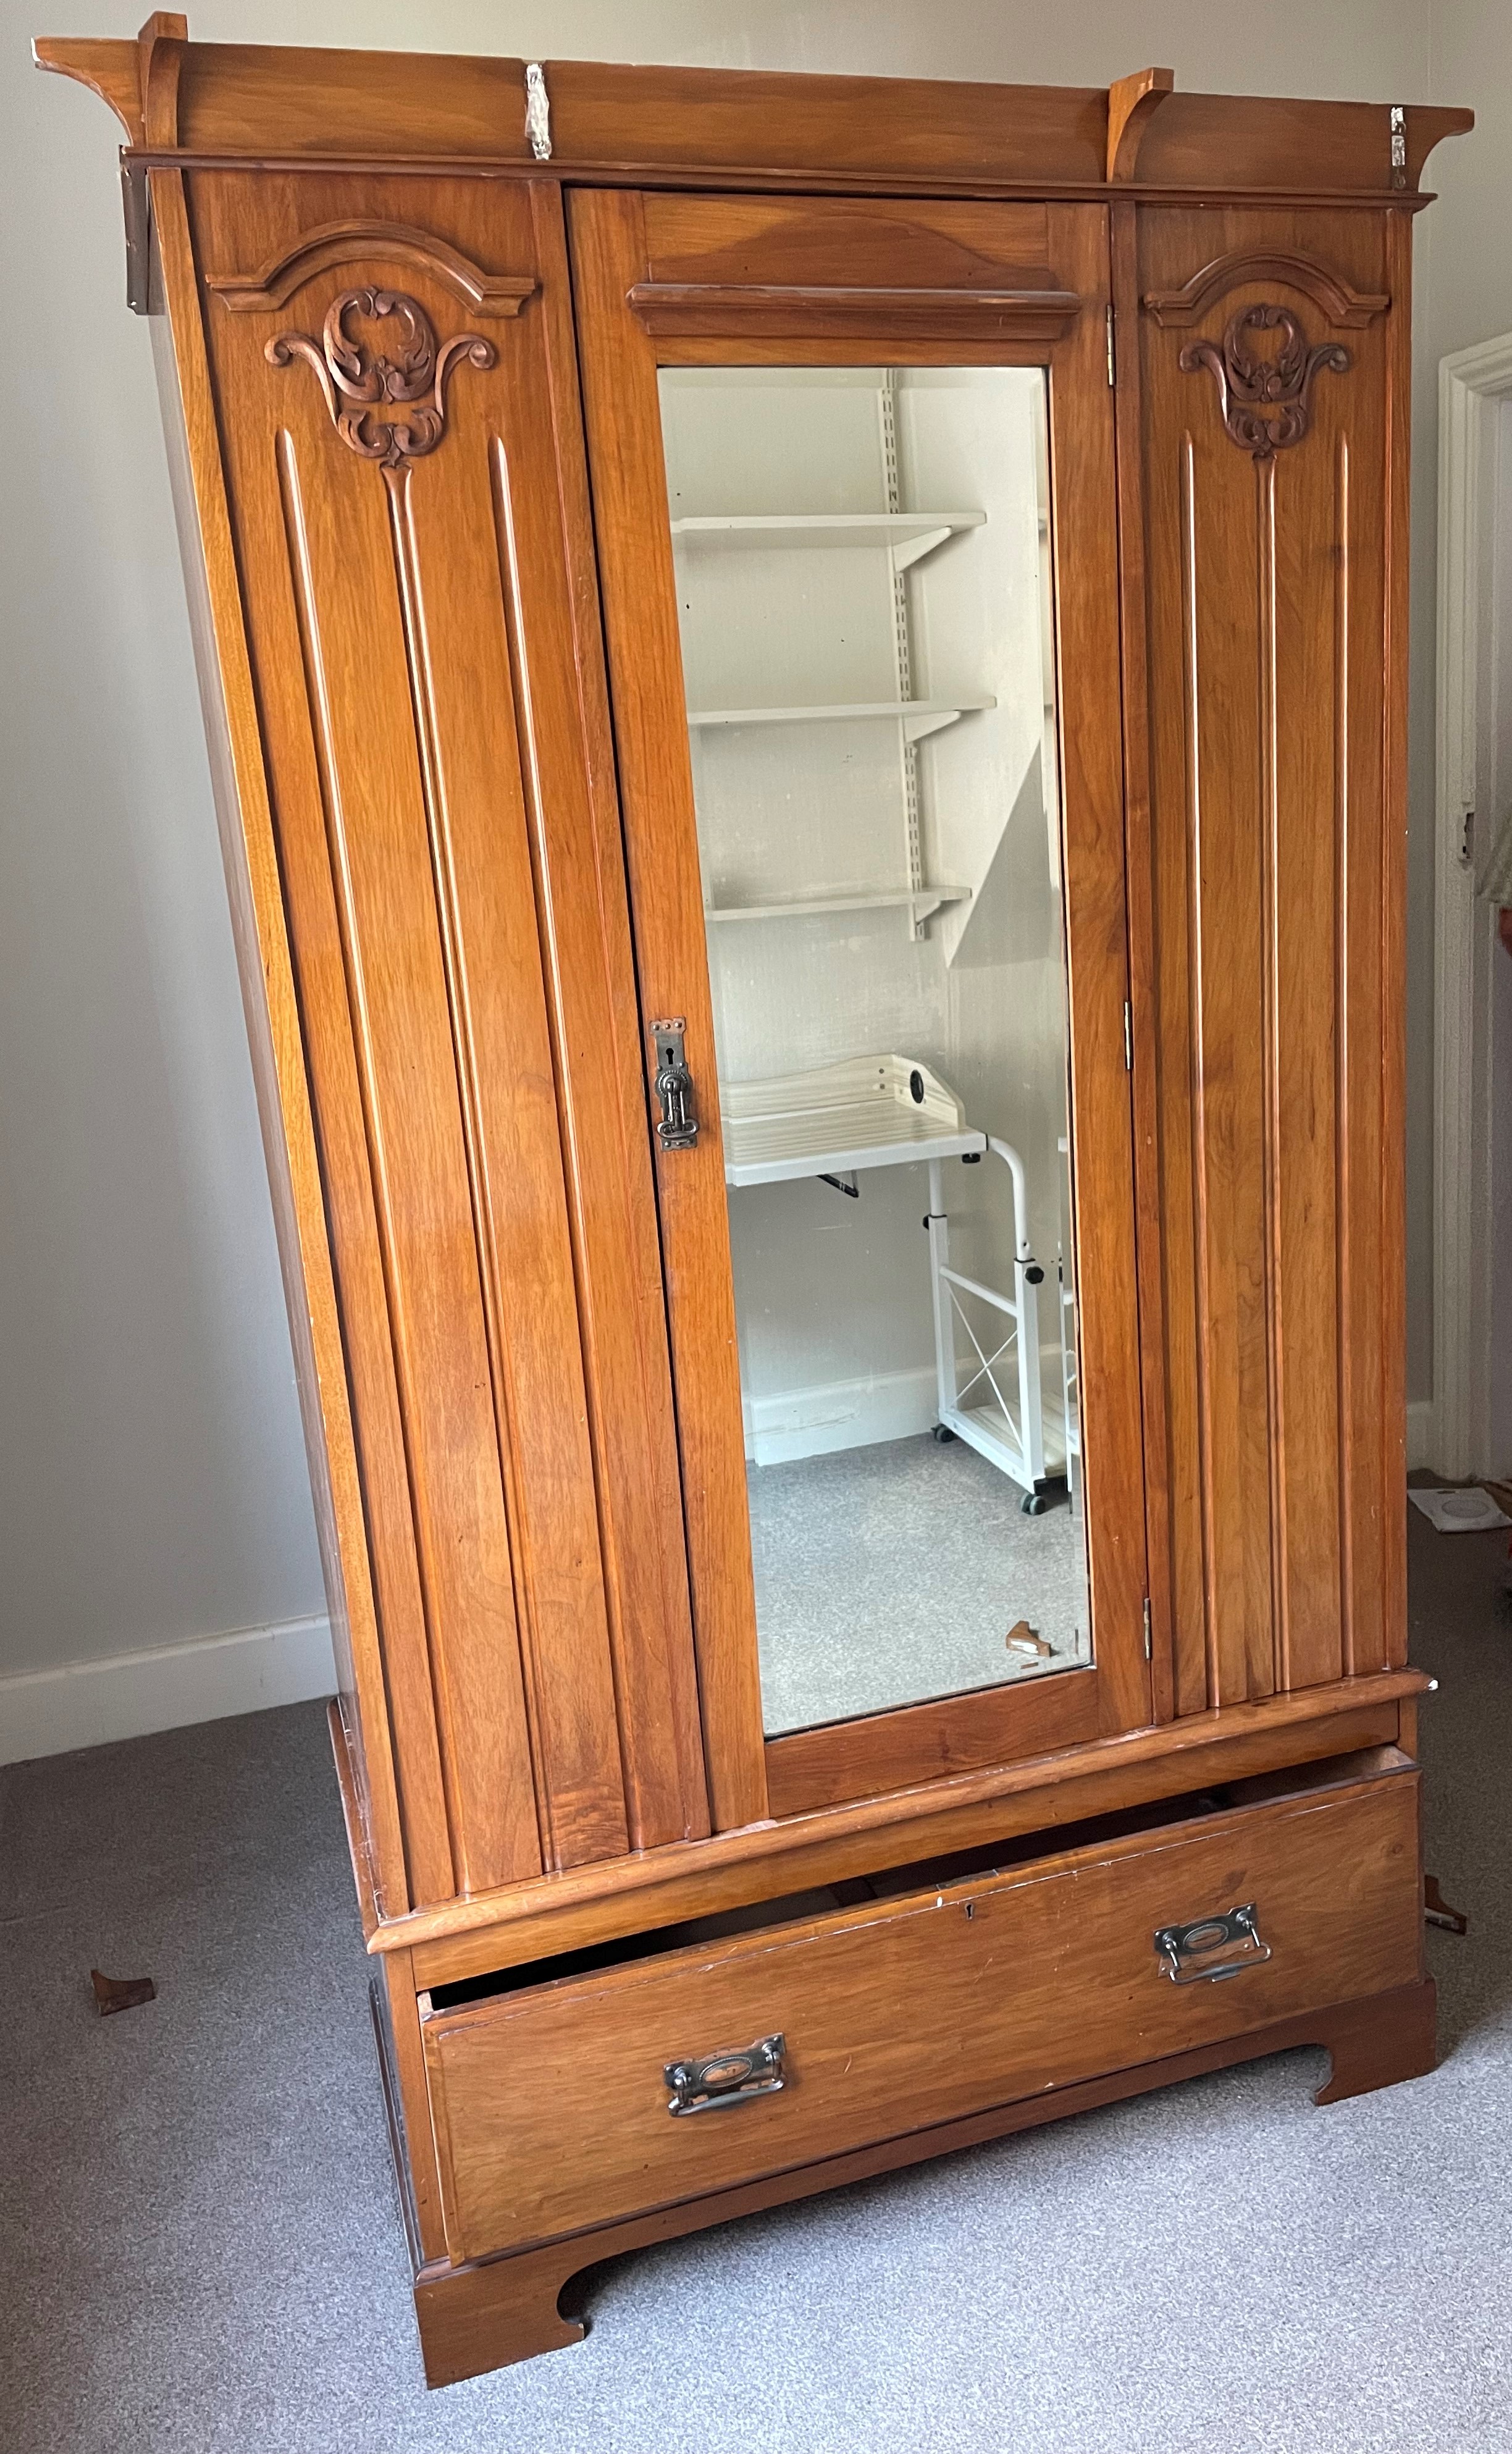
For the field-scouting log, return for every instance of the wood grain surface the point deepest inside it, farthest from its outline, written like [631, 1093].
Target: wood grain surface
[425, 638]
[483, 2316]
[1271, 1108]
[618, 241]
[551, 2108]
[711, 126]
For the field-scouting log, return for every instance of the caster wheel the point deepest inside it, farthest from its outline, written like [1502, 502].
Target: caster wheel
[1034, 1504]
[942, 1433]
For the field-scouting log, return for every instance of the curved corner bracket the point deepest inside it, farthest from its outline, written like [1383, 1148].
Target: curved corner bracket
[1264, 401]
[109, 70]
[1412, 131]
[358, 383]
[1339, 302]
[1132, 103]
[333, 243]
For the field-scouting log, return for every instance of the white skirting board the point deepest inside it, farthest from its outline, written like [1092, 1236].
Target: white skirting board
[852, 1413]
[841, 1415]
[896, 1405]
[126, 1694]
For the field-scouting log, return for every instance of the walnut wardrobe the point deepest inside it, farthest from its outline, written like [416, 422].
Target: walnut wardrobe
[805, 680]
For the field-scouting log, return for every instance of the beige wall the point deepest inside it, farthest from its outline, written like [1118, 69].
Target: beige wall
[152, 1478]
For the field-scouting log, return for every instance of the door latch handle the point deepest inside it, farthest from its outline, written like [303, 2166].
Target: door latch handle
[679, 1128]
[734, 2076]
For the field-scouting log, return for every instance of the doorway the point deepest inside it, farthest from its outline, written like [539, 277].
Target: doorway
[1471, 1415]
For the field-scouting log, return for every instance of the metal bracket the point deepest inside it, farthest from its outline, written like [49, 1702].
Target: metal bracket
[537, 111]
[710, 2081]
[137, 213]
[1212, 1948]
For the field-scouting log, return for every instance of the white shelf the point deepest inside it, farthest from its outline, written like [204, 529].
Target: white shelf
[910, 534]
[862, 1112]
[920, 901]
[918, 716]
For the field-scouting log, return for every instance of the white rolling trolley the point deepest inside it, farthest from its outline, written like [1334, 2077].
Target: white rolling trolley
[836, 1121]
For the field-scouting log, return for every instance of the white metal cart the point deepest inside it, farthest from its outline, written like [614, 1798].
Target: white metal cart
[837, 1120]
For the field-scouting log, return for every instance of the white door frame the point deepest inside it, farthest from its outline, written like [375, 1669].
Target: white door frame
[1472, 385]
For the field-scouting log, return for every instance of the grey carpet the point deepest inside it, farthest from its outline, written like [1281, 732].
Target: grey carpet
[199, 2252]
[891, 1573]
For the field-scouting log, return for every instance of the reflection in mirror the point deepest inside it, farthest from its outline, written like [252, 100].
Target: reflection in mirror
[863, 581]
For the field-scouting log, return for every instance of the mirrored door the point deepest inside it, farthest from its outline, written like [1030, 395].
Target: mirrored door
[871, 733]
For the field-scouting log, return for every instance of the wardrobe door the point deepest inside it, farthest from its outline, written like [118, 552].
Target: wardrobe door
[394, 383]
[853, 488]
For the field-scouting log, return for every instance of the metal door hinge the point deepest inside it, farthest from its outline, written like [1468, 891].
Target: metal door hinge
[1112, 362]
[1128, 1036]
[537, 113]
[1148, 1648]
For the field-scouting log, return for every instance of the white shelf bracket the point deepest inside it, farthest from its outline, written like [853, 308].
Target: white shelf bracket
[916, 728]
[911, 550]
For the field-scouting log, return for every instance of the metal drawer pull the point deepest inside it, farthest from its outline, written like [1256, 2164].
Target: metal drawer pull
[730, 2076]
[1188, 1951]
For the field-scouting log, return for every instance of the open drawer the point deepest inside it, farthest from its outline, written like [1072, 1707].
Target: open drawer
[597, 2095]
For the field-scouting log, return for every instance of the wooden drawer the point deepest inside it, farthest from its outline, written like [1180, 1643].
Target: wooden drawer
[551, 2104]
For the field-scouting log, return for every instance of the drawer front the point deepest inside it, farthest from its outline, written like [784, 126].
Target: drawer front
[551, 2106]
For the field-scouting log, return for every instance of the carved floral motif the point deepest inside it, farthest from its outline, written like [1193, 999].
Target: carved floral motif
[360, 382]
[1250, 385]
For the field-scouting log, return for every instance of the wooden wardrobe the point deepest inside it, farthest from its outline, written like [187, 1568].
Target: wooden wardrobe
[806, 680]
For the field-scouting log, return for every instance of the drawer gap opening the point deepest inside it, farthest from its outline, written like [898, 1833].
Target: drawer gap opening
[893, 1883]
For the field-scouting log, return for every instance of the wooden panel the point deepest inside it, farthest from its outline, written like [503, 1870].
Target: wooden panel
[708, 126]
[1143, 1000]
[552, 2110]
[480, 2317]
[624, 438]
[1376, 1523]
[564, 1912]
[1202, 140]
[401, 2063]
[1265, 601]
[796, 268]
[574, 815]
[414, 632]
[817, 1768]
[243, 819]
[618, 241]
[732, 241]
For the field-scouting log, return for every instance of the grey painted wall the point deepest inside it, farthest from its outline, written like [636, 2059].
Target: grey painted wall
[151, 1474]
